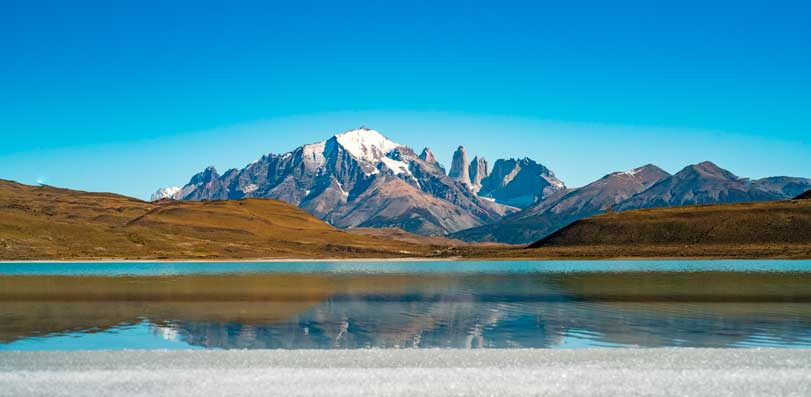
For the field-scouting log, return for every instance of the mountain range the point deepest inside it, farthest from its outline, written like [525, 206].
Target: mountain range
[643, 187]
[361, 179]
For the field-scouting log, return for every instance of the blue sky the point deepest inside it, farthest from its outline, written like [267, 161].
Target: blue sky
[129, 96]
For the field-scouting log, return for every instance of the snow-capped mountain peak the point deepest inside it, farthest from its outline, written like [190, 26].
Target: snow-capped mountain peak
[366, 144]
[357, 177]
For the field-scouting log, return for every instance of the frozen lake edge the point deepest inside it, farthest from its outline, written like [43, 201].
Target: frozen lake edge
[672, 371]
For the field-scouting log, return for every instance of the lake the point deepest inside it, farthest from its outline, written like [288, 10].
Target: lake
[400, 304]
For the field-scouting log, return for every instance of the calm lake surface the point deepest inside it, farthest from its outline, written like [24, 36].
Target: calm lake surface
[436, 304]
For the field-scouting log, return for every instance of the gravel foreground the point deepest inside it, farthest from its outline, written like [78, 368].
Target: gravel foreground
[716, 372]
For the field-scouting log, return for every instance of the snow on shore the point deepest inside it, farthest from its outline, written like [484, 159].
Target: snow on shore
[717, 372]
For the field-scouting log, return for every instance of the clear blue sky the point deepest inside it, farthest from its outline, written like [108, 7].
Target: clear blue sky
[127, 96]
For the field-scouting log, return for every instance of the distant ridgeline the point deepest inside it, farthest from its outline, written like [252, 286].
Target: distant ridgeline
[644, 187]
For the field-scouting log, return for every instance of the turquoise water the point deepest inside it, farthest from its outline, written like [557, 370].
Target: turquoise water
[425, 304]
[166, 268]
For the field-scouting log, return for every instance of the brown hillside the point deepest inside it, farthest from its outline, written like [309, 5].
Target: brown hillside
[398, 234]
[779, 228]
[51, 223]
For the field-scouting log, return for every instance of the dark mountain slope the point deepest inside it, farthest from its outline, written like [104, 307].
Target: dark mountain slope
[804, 196]
[703, 183]
[565, 207]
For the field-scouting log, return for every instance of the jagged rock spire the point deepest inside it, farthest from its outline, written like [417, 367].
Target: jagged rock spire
[428, 156]
[519, 182]
[205, 176]
[459, 166]
[478, 170]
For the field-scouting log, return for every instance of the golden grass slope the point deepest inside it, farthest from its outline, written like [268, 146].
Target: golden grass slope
[51, 223]
[398, 234]
[763, 229]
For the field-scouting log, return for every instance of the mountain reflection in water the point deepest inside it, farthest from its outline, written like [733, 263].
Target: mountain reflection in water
[457, 310]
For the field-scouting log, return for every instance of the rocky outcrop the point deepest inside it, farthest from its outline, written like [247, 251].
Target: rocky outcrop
[478, 171]
[427, 156]
[459, 168]
[519, 182]
[205, 185]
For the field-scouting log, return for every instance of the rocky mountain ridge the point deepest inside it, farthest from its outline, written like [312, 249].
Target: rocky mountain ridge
[643, 187]
[519, 182]
[702, 183]
[360, 178]
[566, 206]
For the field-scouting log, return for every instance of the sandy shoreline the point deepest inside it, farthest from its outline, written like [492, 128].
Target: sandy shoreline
[718, 372]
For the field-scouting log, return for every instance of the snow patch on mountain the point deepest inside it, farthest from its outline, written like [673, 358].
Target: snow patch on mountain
[509, 177]
[554, 181]
[249, 188]
[313, 155]
[630, 173]
[397, 166]
[165, 192]
[341, 187]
